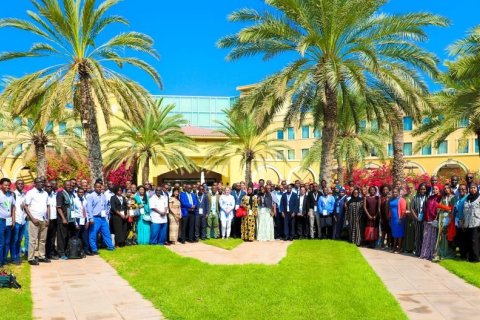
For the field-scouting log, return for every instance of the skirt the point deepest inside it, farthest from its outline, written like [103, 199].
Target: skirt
[248, 227]
[143, 231]
[265, 229]
[429, 241]
[173, 228]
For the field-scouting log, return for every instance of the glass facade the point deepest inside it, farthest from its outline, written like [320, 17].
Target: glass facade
[62, 128]
[317, 134]
[463, 123]
[201, 111]
[476, 146]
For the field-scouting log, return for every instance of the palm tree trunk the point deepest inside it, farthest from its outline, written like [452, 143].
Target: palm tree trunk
[329, 134]
[135, 171]
[40, 153]
[248, 171]
[146, 170]
[397, 143]
[89, 122]
[340, 171]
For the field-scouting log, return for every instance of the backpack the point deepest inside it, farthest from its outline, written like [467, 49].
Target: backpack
[75, 248]
[8, 281]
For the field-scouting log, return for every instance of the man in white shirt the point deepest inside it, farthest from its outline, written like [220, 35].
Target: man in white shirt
[7, 216]
[36, 205]
[20, 222]
[158, 213]
[50, 248]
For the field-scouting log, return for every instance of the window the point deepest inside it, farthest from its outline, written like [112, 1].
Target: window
[280, 155]
[443, 147]
[373, 152]
[18, 150]
[18, 121]
[374, 125]
[291, 155]
[304, 153]
[362, 125]
[30, 124]
[407, 149]
[407, 124]
[463, 145]
[426, 120]
[390, 150]
[49, 127]
[280, 135]
[62, 128]
[78, 131]
[291, 133]
[463, 123]
[427, 150]
[476, 146]
[305, 132]
[1, 144]
[317, 134]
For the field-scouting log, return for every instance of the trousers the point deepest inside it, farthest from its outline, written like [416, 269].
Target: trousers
[212, 225]
[100, 225]
[289, 226]
[226, 227]
[37, 236]
[188, 227]
[200, 227]
[51, 237]
[64, 232]
[158, 233]
[17, 240]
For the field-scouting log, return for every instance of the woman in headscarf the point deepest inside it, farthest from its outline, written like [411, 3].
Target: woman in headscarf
[429, 229]
[471, 223]
[417, 211]
[460, 238]
[397, 211]
[354, 215]
[250, 204]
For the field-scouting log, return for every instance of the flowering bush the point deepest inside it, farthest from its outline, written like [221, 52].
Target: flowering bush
[120, 176]
[63, 167]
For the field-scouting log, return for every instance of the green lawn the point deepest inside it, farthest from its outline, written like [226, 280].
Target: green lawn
[468, 271]
[228, 244]
[17, 304]
[317, 280]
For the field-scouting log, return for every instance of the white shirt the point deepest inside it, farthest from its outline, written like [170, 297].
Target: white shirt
[301, 204]
[7, 201]
[80, 207]
[20, 214]
[161, 204]
[52, 202]
[37, 203]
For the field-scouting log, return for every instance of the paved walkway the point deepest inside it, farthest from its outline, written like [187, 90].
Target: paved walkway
[85, 289]
[257, 252]
[424, 289]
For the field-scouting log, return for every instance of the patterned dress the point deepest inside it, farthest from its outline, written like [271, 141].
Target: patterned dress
[174, 217]
[250, 203]
[354, 215]
[429, 231]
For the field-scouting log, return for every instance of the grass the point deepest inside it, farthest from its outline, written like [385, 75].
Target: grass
[17, 304]
[468, 271]
[317, 280]
[227, 244]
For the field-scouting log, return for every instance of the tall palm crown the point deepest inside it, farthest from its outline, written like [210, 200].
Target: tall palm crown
[156, 137]
[459, 102]
[69, 31]
[341, 48]
[245, 141]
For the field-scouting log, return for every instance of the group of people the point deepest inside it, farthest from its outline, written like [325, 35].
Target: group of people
[433, 222]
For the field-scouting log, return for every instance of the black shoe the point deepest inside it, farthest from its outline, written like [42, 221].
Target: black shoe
[182, 242]
[33, 262]
[44, 260]
[89, 253]
[17, 263]
[54, 258]
[95, 253]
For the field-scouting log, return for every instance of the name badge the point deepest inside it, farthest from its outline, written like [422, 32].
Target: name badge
[81, 221]
[103, 214]
[420, 216]
[236, 207]
[250, 212]
[324, 212]
[142, 211]
[288, 208]
[315, 209]
[338, 210]
[9, 222]
[200, 211]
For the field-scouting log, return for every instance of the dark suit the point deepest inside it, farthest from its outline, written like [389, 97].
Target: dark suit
[290, 208]
[302, 217]
[237, 222]
[201, 219]
[119, 225]
[188, 216]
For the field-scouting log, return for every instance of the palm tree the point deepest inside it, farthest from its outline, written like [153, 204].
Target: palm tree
[459, 103]
[70, 33]
[340, 48]
[246, 141]
[28, 140]
[156, 137]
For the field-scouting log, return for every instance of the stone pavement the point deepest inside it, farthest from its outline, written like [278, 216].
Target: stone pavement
[85, 289]
[425, 290]
[257, 252]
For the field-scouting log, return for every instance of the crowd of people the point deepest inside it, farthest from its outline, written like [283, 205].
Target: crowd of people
[432, 221]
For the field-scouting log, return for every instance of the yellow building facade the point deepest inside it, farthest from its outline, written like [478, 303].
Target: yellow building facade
[205, 113]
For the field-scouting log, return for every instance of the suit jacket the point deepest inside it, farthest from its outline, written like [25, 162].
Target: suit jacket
[185, 204]
[305, 205]
[293, 204]
[212, 198]
[311, 199]
[116, 205]
[205, 204]
[238, 196]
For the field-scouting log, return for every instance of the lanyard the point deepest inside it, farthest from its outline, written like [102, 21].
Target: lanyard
[189, 196]
[288, 198]
[201, 199]
[315, 196]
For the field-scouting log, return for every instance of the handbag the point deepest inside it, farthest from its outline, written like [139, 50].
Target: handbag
[371, 233]
[146, 217]
[241, 212]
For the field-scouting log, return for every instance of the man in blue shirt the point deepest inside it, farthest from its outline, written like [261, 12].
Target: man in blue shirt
[97, 216]
[201, 213]
[326, 208]
[189, 203]
[290, 208]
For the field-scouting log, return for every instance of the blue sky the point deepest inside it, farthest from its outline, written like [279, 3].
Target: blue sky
[185, 33]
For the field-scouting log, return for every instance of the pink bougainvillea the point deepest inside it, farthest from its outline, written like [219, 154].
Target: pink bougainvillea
[119, 176]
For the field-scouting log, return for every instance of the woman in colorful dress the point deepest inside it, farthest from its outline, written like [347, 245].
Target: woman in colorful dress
[417, 211]
[354, 214]
[143, 225]
[371, 209]
[265, 228]
[384, 220]
[250, 204]
[429, 230]
[397, 211]
[445, 208]
[227, 204]
[174, 216]
[132, 214]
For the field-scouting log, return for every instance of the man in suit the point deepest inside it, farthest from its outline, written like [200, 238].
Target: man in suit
[201, 213]
[290, 208]
[313, 209]
[212, 216]
[188, 203]
[238, 195]
[300, 218]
